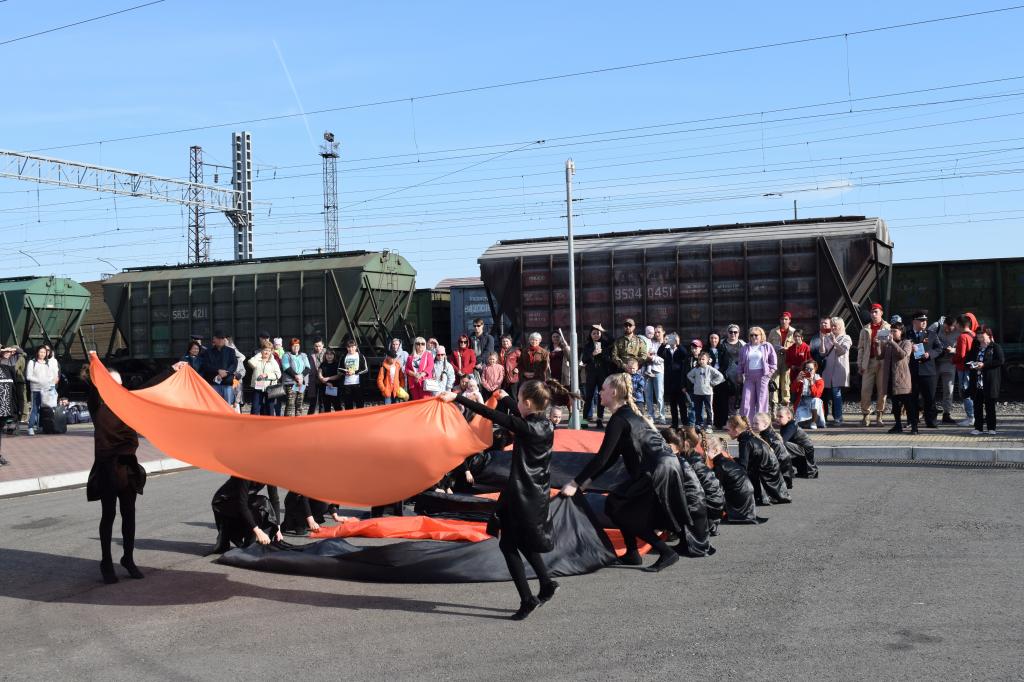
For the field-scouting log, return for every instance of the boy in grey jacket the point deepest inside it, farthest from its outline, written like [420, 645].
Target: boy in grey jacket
[704, 378]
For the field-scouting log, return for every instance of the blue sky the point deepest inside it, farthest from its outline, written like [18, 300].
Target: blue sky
[942, 167]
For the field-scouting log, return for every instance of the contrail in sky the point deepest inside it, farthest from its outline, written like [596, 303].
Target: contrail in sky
[302, 109]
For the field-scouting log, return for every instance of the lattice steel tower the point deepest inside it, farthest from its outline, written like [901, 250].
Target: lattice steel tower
[241, 182]
[329, 153]
[198, 241]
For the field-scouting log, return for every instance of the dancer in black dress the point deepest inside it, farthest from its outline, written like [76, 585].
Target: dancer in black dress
[695, 542]
[243, 515]
[521, 520]
[714, 498]
[116, 477]
[739, 491]
[763, 426]
[762, 467]
[654, 497]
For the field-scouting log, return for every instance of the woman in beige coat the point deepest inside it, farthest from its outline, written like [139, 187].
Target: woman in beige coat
[896, 352]
[835, 348]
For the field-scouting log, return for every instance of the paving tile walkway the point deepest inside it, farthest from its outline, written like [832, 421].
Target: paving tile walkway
[48, 455]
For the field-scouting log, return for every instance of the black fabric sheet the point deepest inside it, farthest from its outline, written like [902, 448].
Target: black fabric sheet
[564, 467]
[579, 548]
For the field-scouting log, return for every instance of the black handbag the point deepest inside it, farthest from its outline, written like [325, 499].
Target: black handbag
[275, 391]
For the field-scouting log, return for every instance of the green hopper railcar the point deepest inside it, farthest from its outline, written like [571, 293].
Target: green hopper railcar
[360, 294]
[38, 310]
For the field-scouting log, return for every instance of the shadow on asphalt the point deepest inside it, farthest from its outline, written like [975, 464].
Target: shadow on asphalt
[41, 577]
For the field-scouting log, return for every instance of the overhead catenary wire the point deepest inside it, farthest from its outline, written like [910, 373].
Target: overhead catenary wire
[543, 79]
[9, 41]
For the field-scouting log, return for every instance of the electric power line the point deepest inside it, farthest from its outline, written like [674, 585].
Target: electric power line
[542, 79]
[78, 23]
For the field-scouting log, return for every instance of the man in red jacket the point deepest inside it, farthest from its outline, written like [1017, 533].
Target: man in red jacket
[967, 324]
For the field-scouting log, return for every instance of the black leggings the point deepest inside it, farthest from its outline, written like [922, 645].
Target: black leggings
[593, 386]
[511, 551]
[109, 502]
[649, 536]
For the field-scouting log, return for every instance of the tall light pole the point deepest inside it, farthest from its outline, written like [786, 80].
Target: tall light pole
[574, 416]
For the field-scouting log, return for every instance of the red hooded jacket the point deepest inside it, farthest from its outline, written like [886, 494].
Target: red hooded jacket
[964, 343]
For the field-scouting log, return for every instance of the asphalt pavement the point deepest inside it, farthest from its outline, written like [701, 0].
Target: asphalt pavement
[876, 572]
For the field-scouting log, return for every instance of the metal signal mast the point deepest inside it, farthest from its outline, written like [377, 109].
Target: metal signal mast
[236, 203]
[329, 153]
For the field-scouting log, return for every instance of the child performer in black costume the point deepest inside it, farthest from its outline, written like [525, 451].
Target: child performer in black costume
[654, 497]
[521, 519]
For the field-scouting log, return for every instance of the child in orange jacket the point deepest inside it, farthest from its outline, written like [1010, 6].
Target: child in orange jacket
[390, 378]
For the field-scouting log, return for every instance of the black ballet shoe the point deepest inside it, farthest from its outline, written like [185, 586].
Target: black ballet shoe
[547, 592]
[219, 549]
[133, 570]
[663, 562]
[107, 571]
[631, 559]
[525, 609]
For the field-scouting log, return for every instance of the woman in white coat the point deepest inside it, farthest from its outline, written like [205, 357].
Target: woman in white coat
[835, 350]
[42, 374]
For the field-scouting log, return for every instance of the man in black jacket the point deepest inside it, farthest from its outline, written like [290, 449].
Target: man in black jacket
[481, 342]
[678, 362]
[314, 387]
[924, 375]
[219, 364]
[797, 442]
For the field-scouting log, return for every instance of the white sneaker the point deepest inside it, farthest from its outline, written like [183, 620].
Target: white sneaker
[814, 426]
[31, 432]
[976, 432]
[993, 433]
[965, 422]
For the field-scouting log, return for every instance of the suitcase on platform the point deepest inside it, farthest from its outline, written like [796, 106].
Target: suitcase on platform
[53, 419]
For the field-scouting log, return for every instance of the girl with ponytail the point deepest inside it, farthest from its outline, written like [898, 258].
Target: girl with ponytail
[693, 448]
[737, 488]
[654, 497]
[521, 520]
[762, 466]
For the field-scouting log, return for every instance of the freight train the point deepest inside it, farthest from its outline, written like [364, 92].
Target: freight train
[693, 280]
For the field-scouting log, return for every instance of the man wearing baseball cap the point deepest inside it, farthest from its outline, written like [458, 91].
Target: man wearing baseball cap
[869, 364]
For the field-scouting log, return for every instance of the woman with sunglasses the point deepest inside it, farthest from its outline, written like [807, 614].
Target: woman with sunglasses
[733, 344]
[757, 364]
[419, 367]
[463, 358]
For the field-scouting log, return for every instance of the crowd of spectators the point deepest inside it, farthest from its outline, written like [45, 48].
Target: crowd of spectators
[699, 383]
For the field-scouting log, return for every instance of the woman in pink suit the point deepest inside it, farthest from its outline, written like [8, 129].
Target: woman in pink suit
[758, 363]
[419, 366]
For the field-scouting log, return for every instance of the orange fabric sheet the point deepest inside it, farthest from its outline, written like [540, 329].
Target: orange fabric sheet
[410, 527]
[372, 456]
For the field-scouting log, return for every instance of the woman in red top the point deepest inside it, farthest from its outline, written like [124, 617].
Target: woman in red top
[796, 356]
[463, 358]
